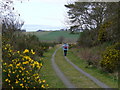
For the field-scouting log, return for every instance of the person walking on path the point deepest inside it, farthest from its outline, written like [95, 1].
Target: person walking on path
[65, 48]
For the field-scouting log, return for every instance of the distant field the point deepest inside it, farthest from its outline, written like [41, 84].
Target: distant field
[55, 36]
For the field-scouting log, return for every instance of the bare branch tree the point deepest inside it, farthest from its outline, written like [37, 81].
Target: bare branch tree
[10, 18]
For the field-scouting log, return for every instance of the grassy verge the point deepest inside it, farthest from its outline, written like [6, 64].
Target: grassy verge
[102, 76]
[78, 79]
[48, 73]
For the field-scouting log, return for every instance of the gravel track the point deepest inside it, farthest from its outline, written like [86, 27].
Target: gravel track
[60, 74]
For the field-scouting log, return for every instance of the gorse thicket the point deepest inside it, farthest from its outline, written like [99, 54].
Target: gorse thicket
[22, 61]
[111, 58]
[20, 70]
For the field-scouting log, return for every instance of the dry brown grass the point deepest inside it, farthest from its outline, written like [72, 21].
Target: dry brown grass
[92, 56]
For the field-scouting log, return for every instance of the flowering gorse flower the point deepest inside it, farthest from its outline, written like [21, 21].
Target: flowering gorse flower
[20, 69]
[111, 58]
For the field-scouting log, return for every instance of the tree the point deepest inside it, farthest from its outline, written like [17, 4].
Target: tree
[10, 19]
[61, 39]
[87, 15]
[91, 16]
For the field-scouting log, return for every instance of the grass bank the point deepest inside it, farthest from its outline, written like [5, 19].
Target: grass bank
[97, 73]
[77, 78]
[48, 73]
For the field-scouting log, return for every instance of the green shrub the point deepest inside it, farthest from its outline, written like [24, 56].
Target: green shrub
[22, 42]
[111, 58]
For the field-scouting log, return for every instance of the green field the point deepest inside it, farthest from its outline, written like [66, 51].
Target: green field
[55, 36]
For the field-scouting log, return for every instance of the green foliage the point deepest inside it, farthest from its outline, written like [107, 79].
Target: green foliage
[111, 58]
[22, 42]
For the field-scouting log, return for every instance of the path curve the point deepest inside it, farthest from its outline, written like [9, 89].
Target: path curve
[64, 79]
[99, 83]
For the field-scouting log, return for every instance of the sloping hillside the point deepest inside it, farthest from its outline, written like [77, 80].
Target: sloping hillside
[55, 36]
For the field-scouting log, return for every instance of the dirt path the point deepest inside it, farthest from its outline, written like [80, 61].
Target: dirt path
[60, 74]
[65, 80]
[99, 83]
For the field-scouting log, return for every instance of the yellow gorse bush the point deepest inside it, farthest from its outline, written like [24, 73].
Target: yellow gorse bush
[20, 70]
[111, 58]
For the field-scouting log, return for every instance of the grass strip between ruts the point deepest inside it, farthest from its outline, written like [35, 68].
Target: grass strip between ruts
[76, 78]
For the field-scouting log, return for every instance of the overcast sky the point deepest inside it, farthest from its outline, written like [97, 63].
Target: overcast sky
[43, 12]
